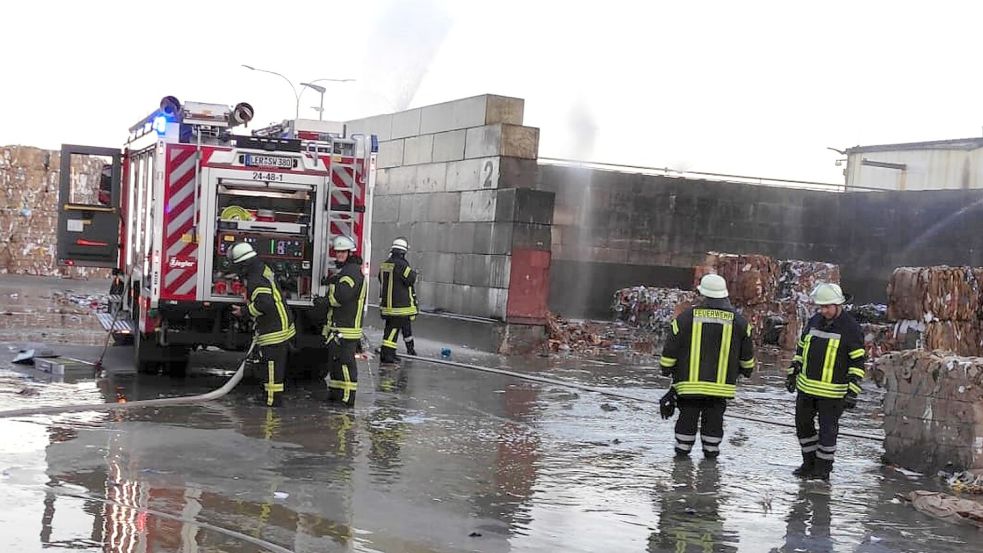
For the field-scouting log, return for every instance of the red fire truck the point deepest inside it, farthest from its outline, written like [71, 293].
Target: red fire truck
[189, 183]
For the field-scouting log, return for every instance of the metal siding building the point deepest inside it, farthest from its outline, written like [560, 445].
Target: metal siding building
[941, 164]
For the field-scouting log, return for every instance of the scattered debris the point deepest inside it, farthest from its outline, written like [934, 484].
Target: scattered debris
[280, 495]
[946, 507]
[651, 308]
[474, 535]
[608, 407]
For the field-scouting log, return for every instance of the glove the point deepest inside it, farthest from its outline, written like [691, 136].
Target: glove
[746, 373]
[667, 371]
[790, 382]
[850, 401]
[667, 405]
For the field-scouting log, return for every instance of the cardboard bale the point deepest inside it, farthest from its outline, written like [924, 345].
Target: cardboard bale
[799, 278]
[751, 279]
[651, 307]
[933, 409]
[934, 294]
[29, 206]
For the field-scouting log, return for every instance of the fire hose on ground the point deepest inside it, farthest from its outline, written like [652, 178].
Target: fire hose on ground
[159, 402]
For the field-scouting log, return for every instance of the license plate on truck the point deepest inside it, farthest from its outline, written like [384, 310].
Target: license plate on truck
[269, 161]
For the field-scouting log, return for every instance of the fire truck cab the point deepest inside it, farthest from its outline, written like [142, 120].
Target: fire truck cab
[187, 185]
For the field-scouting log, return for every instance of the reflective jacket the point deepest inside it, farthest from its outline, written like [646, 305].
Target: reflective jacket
[830, 357]
[396, 295]
[274, 321]
[346, 300]
[707, 347]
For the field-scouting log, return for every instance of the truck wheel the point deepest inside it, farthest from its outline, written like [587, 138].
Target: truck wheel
[145, 354]
[177, 362]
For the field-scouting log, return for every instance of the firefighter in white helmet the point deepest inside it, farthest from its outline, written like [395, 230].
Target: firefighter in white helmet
[273, 320]
[397, 301]
[708, 346]
[343, 324]
[826, 371]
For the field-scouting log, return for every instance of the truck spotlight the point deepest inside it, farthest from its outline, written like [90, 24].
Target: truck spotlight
[170, 106]
[242, 113]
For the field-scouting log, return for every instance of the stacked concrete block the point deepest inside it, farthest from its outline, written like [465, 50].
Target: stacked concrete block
[454, 179]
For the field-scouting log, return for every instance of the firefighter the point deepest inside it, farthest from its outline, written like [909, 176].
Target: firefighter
[826, 370]
[707, 347]
[397, 301]
[274, 322]
[343, 328]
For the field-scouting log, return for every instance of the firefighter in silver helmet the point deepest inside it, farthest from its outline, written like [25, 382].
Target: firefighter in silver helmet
[273, 320]
[343, 324]
[397, 301]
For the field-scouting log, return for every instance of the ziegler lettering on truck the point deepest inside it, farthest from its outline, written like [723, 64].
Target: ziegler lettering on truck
[181, 263]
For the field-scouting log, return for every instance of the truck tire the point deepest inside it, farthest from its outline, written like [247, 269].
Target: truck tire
[146, 358]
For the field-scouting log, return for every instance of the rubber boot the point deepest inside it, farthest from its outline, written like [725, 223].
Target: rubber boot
[680, 453]
[822, 470]
[410, 349]
[807, 467]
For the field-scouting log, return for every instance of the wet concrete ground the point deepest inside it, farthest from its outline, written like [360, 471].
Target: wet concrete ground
[432, 458]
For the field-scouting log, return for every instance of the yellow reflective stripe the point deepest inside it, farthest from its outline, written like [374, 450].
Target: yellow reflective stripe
[253, 310]
[749, 364]
[857, 353]
[260, 290]
[797, 358]
[348, 332]
[412, 300]
[749, 330]
[820, 389]
[696, 340]
[399, 311]
[278, 337]
[360, 308]
[790, 370]
[675, 327]
[857, 371]
[831, 348]
[805, 352]
[269, 383]
[667, 361]
[406, 272]
[389, 344]
[855, 389]
[392, 335]
[331, 299]
[281, 309]
[705, 389]
[724, 357]
[347, 279]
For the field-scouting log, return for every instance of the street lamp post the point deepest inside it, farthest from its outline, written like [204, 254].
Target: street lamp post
[297, 93]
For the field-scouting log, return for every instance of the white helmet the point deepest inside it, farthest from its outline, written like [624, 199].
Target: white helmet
[828, 294]
[343, 244]
[713, 286]
[401, 244]
[241, 251]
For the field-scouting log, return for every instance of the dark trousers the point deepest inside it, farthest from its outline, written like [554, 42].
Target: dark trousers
[703, 413]
[342, 370]
[817, 448]
[395, 326]
[273, 362]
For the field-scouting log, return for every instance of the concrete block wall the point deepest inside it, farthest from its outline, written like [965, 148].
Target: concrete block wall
[455, 179]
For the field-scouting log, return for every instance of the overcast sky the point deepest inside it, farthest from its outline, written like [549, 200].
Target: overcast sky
[736, 87]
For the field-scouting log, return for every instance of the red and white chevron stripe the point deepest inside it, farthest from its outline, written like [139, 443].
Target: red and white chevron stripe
[180, 255]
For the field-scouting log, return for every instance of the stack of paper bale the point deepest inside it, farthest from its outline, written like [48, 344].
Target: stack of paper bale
[651, 307]
[29, 209]
[773, 295]
[937, 308]
[933, 409]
